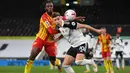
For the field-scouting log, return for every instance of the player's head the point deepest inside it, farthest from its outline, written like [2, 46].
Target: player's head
[103, 30]
[48, 6]
[117, 35]
[57, 18]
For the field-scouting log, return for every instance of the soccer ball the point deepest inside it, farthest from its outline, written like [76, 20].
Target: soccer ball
[70, 15]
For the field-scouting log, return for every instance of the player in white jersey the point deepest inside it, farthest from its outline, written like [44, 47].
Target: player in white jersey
[119, 47]
[71, 32]
[89, 51]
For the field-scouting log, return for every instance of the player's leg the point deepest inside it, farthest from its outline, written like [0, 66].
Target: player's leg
[68, 59]
[94, 65]
[88, 56]
[105, 62]
[51, 66]
[67, 64]
[117, 60]
[110, 62]
[51, 49]
[95, 69]
[122, 60]
[58, 63]
[37, 46]
[87, 69]
[80, 56]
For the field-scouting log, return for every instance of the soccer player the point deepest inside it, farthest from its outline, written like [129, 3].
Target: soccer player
[89, 51]
[44, 38]
[71, 32]
[105, 40]
[119, 46]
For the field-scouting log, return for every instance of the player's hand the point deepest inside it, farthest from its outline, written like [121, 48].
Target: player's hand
[99, 31]
[80, 18]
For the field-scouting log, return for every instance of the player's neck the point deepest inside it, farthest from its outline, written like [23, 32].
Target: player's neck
[49, 13]
[104, 34]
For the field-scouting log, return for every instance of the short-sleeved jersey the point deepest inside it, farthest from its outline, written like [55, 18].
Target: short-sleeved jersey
[105, 41]
[47, 27]
[118, 44]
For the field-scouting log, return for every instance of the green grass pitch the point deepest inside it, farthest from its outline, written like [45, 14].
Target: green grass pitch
[46, 69]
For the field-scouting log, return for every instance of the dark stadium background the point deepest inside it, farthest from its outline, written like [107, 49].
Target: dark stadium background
[21, 17]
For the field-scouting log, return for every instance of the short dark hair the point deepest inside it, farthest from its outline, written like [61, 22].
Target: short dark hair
[55, 14]
[103, 27]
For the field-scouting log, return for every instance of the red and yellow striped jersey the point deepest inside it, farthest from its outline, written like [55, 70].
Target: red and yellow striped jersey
[105, 41]
[47, 27]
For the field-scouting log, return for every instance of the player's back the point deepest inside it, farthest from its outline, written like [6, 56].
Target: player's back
[75, 37]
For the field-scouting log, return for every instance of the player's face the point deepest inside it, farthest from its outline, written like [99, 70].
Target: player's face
[103, 30]
[117, 35]
[58, 20]
[49, 7]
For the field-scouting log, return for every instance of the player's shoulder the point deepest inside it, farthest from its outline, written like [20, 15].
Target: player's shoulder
[108, 35]
[44, 16]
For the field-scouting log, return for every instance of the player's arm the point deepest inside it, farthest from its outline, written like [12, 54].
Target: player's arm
[75, 25]
[49, 28]
[57, 39]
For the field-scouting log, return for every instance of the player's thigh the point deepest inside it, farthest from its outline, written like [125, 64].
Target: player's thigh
[121, 54]
[68, 60]
[108, 55]
[81, 50]
[80, 56]
[105, 55]
[51, 49]
[36, 48]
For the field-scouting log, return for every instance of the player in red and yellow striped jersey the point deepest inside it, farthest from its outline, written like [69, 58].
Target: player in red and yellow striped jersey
[105, 40]
[44, 38]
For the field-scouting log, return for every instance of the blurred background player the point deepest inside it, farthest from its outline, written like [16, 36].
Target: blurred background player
[105, 40]
[90, 50]
[119, 47]
[44, 38]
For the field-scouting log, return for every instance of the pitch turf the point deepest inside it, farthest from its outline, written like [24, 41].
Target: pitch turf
[45, 69]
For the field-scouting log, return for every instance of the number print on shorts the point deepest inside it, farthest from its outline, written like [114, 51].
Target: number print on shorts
[82, 49]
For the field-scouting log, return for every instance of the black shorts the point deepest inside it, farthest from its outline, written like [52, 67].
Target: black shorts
[119, 53]
[89, 53]
[74, 50]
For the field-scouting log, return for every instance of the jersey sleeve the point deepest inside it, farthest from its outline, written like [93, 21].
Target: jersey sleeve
[48, 26]
[70, 24]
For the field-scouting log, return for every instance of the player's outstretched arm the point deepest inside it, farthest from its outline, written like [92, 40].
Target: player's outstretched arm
[79, 25]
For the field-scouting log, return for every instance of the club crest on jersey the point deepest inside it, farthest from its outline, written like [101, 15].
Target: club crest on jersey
[47, 23]
[73, 23]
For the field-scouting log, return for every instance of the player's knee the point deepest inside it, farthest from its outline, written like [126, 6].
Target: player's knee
[78, 62]
[52, 59]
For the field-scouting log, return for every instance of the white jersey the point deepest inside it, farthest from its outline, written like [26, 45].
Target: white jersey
[74, 36]
[91, 40]
[118, 44]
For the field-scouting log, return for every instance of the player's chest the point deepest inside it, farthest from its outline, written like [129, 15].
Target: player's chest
[104, 39]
